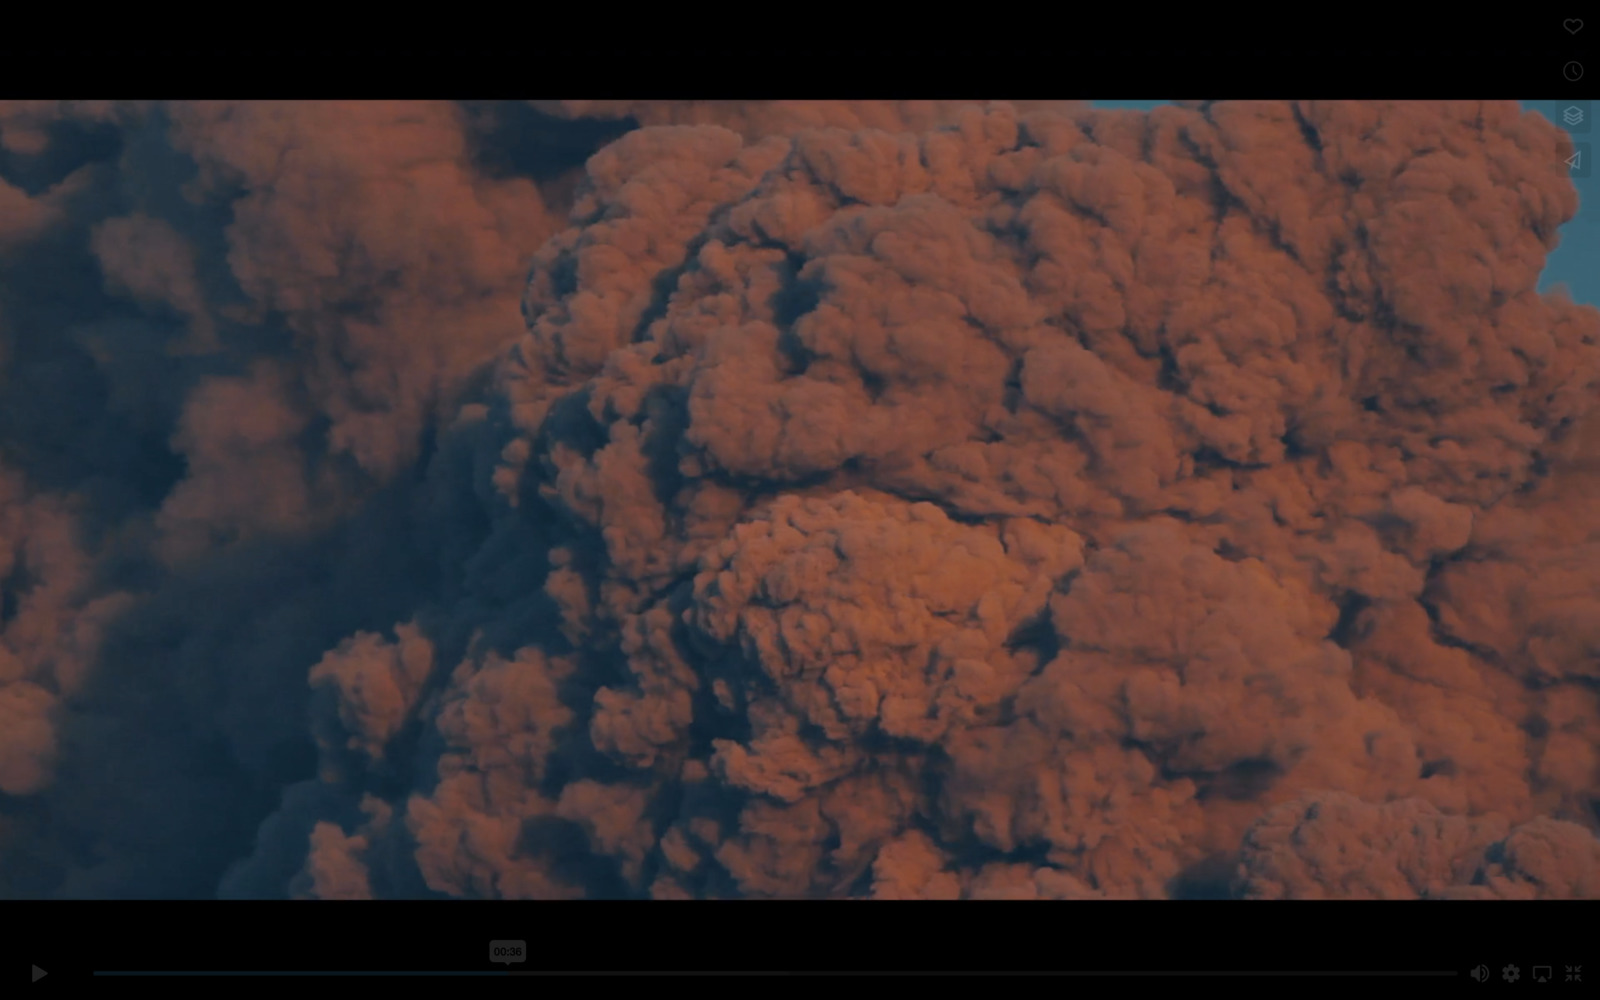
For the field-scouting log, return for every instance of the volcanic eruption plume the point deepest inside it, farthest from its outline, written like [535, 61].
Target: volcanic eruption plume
[910, 500]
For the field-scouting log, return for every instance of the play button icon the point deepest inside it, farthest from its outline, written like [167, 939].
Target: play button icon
[38, 973]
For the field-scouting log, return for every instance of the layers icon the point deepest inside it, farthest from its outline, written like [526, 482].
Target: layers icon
[1574, 116]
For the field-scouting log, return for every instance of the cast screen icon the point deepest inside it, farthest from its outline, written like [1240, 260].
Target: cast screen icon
[1542, 973]
[508, 952]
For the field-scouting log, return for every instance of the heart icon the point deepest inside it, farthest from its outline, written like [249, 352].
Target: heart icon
[1573, 25]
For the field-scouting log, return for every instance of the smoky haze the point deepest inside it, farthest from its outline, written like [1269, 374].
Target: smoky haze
[728, 499]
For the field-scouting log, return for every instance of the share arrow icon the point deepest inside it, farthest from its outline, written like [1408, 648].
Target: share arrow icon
[1575, 161]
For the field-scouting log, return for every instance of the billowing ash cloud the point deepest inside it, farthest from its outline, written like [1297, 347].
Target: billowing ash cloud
[910, 500]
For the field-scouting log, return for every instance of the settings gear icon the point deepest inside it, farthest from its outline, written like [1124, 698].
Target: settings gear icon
[1510, 973]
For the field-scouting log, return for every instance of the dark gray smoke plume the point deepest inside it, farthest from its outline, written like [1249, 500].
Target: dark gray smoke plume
[911, 500]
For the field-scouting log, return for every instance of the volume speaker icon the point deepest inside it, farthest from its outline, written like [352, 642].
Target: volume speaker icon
[1481, 973]
[1573, 116]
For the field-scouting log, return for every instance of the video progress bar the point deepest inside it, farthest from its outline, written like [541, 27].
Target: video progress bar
[797, 972]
